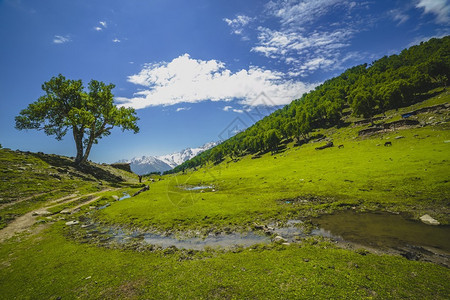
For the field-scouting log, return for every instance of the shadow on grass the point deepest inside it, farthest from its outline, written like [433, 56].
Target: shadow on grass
[66, 164]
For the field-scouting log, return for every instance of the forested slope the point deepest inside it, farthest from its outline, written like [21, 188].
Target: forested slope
[365, 90]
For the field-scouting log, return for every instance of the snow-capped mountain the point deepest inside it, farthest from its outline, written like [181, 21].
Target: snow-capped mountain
[178, 158]
[148, 164]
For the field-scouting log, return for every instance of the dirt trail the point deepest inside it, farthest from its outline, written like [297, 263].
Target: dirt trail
[61, 200]
[27, 220]
[23, 199]
[84, 203]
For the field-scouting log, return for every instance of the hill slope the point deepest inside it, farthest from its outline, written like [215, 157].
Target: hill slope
[411, 176]
[362, 91]
[29, 180]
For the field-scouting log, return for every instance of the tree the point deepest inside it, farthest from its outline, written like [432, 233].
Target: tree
[363, 103]
[89, 115]
[272, 139]
[217, 154]
[303, 119]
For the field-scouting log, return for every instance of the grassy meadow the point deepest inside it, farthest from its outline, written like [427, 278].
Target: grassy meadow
[411, 176]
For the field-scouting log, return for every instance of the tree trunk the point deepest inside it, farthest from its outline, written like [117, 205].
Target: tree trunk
[78, 137]
[88, 148]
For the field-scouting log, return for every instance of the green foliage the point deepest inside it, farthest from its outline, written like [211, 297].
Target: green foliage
[388, 83]
[66, 106]
[272, 139]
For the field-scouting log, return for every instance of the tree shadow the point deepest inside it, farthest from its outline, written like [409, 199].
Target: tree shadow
[87, 172]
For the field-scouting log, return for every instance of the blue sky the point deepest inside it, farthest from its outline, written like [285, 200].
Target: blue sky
[196, 71]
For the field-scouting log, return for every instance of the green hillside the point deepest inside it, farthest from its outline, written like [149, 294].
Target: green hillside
[410, 176]
[34, 180]
[362, 91]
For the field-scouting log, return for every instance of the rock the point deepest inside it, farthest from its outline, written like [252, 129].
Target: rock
[279, 239]
[258, 226]
[115, 197]
[41, 213]
[70, 223]
[399, 137]
[427, 219]
[286, 244]
[65, 211]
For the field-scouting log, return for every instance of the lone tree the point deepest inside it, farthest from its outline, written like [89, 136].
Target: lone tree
[89, 115]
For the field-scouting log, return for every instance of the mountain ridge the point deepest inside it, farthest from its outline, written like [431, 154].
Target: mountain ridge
[148, 164]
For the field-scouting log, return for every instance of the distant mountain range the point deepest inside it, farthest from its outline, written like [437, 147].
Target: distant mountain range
[148, 164]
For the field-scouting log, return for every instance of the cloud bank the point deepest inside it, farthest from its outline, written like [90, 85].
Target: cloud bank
[305, 35]
[440, 8]
[187, 80]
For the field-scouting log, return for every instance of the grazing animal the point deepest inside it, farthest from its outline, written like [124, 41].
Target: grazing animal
[340, 146]
[388, 144]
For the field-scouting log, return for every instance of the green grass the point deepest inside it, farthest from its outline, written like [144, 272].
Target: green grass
[29, 180]
[411, 176]
[49, 266]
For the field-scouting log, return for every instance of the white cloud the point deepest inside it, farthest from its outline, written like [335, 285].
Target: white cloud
[308, 37]
[100, 27]
[230, 108]
[183, 108]
[440, 8]
[307, 52]
[116, 40]
[237, 24]
[398, 16]
[299, 13]
[187, 80]
[59, 39]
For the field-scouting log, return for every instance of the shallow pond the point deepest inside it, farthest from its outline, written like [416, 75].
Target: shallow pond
[222, 240]
[382, 230]
[376, 230]
[196, 188]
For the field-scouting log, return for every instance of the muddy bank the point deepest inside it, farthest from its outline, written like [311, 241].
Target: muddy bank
[375, 232]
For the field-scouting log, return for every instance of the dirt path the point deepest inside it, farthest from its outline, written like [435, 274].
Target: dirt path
[84, 203]
[24, 222]
[23, 199]
[61, 200]
[20, 224]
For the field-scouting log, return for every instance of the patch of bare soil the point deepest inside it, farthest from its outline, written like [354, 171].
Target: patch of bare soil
[26, 221]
